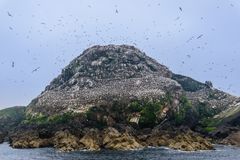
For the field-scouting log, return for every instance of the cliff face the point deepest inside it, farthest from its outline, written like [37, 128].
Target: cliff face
[104, 74]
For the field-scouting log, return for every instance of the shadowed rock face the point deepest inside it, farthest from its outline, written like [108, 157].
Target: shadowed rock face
[103, 74]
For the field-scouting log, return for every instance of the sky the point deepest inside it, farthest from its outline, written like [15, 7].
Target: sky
[38, 38]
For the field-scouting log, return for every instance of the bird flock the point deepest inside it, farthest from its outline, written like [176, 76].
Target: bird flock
[103, 34]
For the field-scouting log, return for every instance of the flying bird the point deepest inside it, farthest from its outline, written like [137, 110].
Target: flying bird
[9, 14]
[180, 8]
[200, 36]
[177, 18]
[35, 70]
[13, 64]
[116, 11]
[190, 39]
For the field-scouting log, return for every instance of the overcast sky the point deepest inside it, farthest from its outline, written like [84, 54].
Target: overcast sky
[197, 38]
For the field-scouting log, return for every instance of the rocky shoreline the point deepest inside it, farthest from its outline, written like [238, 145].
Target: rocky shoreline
[110, 138]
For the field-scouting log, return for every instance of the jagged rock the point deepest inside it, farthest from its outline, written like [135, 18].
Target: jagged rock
[209, 84]
[189, 142]
[91, 140]
[109, 134]
[232, 139]
[112, 139]
[65, 141]
[29, 139]
[158, 140]
[180, 140]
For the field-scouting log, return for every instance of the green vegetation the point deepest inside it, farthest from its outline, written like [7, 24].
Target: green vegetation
[192, 115]
[54, 119]
[91, 112]
[149, 110]
[209, 129]
[98, 116]
[149, 114]
[204, 111]
[135, 106]
[205, 115]
[14, 112]
[184, 114]
[209, 124]
[11, 117]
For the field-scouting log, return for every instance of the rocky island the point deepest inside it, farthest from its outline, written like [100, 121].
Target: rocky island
[116, 97]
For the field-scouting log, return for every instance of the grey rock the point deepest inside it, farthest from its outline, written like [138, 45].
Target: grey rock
[103, 74]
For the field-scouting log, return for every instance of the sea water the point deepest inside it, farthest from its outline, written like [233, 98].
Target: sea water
[220, 153]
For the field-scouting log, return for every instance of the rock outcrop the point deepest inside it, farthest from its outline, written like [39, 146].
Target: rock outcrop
[232, 139]
[180, 140]
[65, 141]
[111, 138]
[29, 139]
[116, 97]
[190, 142]
[104, 74]
[91, 140]
[114, 140]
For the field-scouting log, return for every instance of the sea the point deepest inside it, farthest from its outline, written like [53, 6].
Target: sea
[220, 153]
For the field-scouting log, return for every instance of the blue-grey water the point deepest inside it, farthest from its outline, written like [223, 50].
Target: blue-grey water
[221, 153]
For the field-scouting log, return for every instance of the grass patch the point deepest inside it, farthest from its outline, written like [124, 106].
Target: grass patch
[184, 113]
[54, 119]
[209, 129]
[150, 110]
